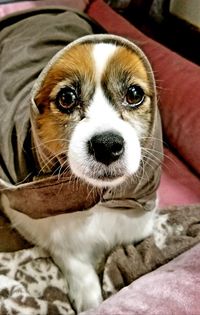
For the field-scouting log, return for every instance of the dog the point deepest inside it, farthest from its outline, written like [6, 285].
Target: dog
[94, 114]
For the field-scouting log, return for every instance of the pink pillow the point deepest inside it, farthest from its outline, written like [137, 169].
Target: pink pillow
[172, 289]
[178, 84]
[178, 185]
[6, 9]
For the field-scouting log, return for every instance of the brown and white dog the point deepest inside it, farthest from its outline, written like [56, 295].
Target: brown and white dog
[93, 113]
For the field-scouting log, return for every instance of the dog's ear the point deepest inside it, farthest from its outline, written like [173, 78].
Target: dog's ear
[50, 77]
[67, 67]
[41, 104]
[42, 98]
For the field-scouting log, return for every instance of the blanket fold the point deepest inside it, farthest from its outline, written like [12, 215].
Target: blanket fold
[35, 198]
[128, 263]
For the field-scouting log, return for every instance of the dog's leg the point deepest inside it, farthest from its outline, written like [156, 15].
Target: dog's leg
[81, 277]
[83, 282]
[35, 231]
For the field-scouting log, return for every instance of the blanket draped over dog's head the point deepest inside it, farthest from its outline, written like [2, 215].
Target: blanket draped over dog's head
[18, 172]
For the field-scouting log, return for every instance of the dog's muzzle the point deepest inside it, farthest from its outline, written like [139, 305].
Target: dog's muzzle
[106, 147]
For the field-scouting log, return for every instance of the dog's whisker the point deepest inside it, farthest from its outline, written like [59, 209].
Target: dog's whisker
[154, 139]
[152, 157]
[164, 155]
[47, 161]
[144, 173]
[143, 169]
[152, 162]
[44, 143]
[151, 165]
[90, 192]
[62, 169]
[25, 179]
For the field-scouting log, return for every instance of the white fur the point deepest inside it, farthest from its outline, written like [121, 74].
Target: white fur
[78, 241]
[102, 53]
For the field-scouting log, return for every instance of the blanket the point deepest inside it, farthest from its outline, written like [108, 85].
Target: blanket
[30, 282]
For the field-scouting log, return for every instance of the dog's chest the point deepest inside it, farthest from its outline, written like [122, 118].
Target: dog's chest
[95, 232]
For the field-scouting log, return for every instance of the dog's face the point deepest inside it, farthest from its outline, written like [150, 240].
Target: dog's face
[95, 111]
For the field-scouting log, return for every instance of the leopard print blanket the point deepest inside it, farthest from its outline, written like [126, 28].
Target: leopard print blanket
[30, 282]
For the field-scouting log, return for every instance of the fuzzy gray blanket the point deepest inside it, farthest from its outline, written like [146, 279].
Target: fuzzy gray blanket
[30, 283]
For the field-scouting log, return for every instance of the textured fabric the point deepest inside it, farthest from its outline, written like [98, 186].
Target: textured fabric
[128, 263]
[172, 289]
[178, 186]
[9, 8]
[51, 195]
[29, 51]
[31, 283]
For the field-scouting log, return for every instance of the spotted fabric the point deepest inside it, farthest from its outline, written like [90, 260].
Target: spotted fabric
[30, 282]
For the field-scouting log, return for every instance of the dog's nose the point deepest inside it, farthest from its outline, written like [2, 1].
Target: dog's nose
[106, 147]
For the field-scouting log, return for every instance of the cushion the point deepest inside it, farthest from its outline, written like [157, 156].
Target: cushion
[6, 9]
[171, 289]
[178, 186]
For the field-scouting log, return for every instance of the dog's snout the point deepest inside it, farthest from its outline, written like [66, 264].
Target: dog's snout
[106, 147]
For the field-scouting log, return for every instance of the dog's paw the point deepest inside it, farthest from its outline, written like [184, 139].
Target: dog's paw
[86, 300]
[163, 230]
[84, 287]
[107, 285]
[86, 295]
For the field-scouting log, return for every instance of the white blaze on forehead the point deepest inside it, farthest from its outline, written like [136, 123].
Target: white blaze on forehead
[102, 52]
[100, 109]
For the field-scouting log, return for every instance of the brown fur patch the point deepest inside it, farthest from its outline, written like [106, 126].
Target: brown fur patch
[74, 68]
[124, 60]
[126, 68]
[74, 64]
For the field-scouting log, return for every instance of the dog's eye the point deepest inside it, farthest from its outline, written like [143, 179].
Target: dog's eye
[66, 99]
[135, 95]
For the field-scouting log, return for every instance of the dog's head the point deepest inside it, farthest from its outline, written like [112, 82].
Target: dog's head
[94, 109]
